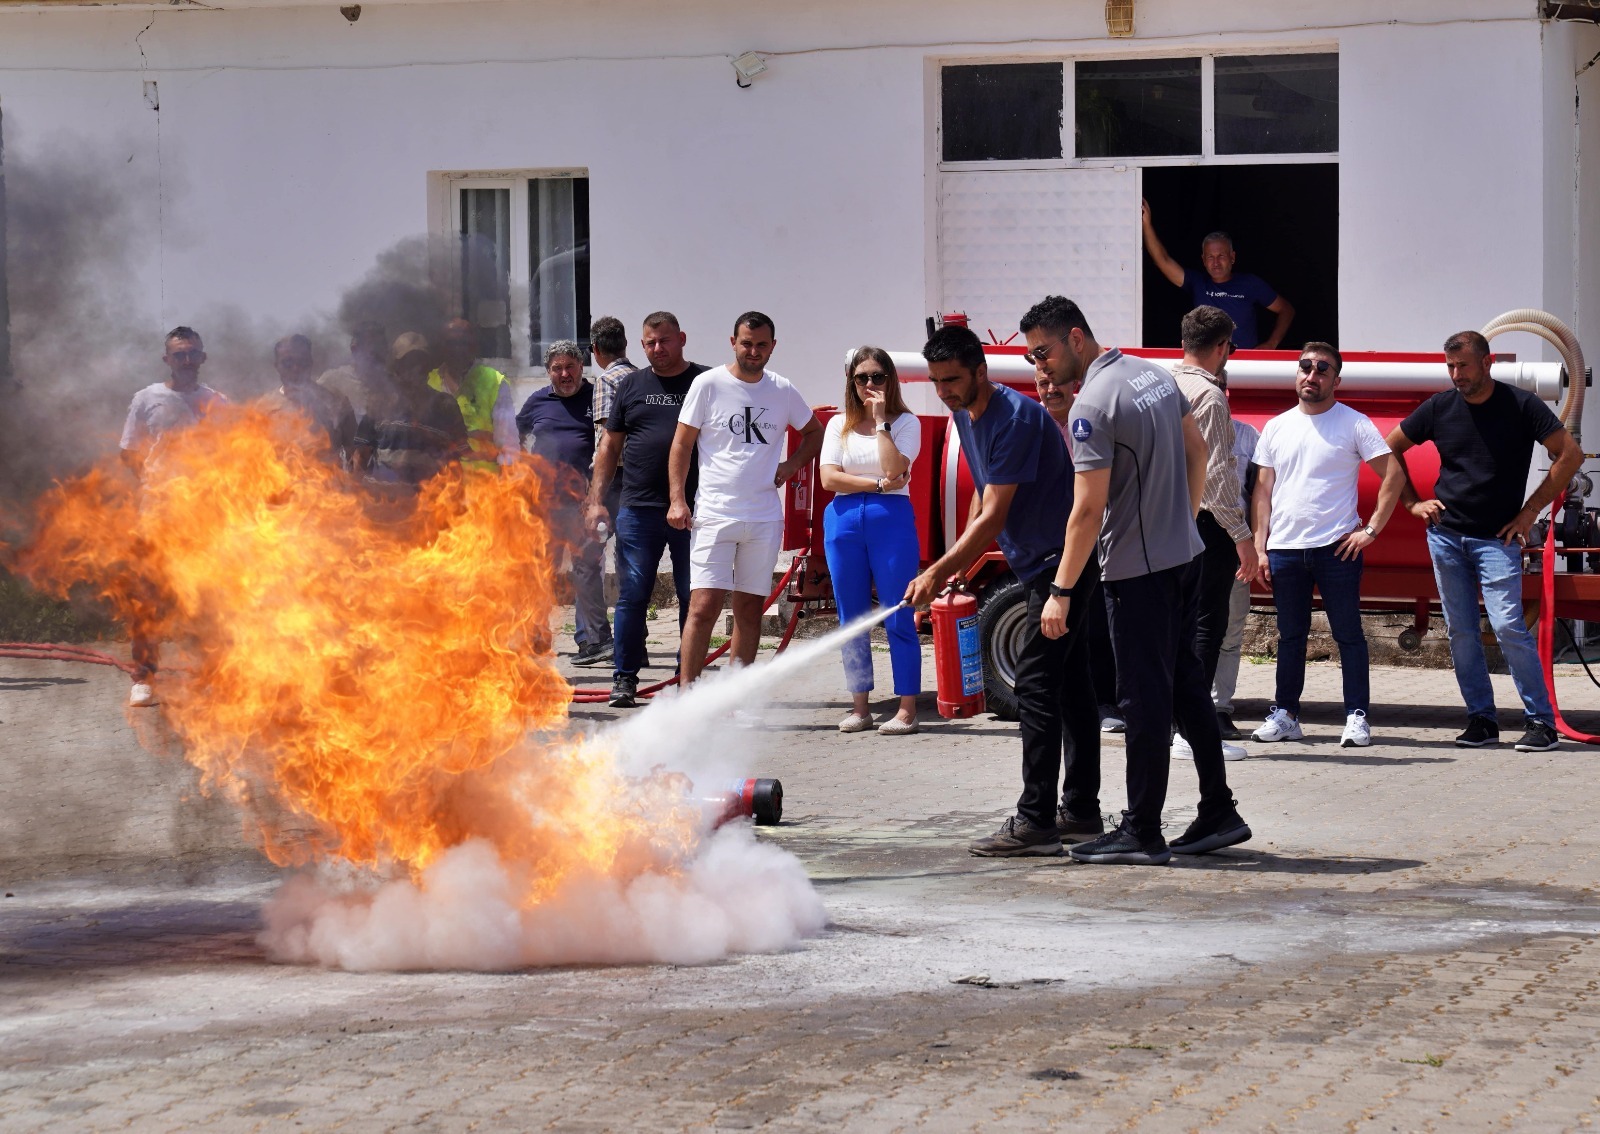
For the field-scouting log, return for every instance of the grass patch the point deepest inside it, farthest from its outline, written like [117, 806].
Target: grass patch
[28, 616]
[1427, 1060]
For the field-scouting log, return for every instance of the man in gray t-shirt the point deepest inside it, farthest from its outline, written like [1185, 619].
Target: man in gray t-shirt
[1139, 468]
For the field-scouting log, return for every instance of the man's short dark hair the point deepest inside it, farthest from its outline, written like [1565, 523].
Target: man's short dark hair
[1205, 328]
[755, 320]
[958, 344]
[1324, 348]
[607, 335]
[1467, 340]
[1218, 237]
[1055, 315]
[188, 334]
[661, 319]
[291, 341]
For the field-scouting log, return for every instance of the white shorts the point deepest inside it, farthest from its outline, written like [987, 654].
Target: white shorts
[734, 555]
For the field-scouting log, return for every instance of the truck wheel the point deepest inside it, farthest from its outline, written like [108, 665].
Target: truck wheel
[1002, 628]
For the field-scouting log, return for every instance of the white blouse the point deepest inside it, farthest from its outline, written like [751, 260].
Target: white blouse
[858, 455]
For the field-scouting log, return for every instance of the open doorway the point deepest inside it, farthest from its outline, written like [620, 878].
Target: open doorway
[1284, 220]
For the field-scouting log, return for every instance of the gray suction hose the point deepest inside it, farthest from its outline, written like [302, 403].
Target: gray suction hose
[1559, 335]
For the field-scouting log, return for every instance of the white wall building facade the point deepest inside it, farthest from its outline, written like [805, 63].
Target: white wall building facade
[275, 150]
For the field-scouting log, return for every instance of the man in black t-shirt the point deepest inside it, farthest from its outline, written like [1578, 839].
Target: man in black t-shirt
[639, 432]
[1478, 525]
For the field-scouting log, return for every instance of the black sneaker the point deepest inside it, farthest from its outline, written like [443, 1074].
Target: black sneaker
[1123, 847]
[1075, 830]
[593, 654]
[1479, 731]
[1229, 730]
[1018, 838]
[624, 691]
[1213, 832]
[1538, 738]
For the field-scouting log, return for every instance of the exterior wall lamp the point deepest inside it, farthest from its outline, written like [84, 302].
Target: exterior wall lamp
[747, 67]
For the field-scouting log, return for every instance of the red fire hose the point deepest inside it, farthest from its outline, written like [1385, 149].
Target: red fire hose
[1547, 627]
[593, 696]
[44, 651]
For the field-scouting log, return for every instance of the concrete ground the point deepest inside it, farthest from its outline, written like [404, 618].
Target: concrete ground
[1409, 943]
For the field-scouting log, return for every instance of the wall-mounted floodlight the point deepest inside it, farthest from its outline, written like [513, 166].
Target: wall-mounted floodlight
[747, 67]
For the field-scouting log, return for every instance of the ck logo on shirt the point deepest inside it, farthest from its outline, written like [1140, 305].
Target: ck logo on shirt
[747, 425]
[1081, 429]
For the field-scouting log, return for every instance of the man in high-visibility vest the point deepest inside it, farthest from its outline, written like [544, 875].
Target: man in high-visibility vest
[483, 394]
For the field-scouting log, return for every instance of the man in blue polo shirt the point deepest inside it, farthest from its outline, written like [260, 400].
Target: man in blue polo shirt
[1020, 467]
[1239, 294]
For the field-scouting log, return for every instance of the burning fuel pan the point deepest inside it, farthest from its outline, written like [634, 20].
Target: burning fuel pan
[761, 800]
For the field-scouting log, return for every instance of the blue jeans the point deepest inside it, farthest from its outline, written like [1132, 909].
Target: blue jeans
[1294, 573]
[642, 535]
[872, 539]
[1462, 566]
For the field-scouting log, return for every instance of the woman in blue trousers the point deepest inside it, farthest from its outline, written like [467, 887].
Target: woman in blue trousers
[869, 530]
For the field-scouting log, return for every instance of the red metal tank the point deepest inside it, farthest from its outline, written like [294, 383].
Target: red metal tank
[957, 654]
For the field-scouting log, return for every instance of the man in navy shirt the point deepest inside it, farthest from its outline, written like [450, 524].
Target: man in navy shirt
[1478, 524]
[1020, 467]
[1219, 286]
[556, 423]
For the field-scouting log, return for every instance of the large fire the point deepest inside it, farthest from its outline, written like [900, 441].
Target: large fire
[368, 681]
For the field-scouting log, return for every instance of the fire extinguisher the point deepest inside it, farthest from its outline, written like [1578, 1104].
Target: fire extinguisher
[957, 652]
[758, 799]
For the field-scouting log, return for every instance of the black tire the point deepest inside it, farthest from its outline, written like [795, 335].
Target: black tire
[1002, 619]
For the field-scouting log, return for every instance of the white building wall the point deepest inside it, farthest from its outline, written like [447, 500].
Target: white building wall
[294, 147]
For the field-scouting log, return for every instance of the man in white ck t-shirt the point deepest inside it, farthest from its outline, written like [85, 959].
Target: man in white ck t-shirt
[736, 416]
[1309, 533]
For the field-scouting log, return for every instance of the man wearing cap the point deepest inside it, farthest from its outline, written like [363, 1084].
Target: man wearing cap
[421, 433]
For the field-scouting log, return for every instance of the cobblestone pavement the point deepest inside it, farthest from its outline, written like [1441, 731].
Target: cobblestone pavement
[1409, 943]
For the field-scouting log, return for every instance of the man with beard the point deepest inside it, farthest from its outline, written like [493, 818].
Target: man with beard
[298, 394]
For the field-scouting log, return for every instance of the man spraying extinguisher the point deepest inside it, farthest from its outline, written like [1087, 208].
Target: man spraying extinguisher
[1020, 466]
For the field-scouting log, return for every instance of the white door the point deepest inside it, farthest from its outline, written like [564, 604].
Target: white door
[1007, 238]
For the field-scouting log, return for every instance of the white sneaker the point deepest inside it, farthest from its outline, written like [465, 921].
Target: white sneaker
[856, 722]
[1279, 725]
[141, 696]
[1357, 733]
[1113, 724]
[1181, 749]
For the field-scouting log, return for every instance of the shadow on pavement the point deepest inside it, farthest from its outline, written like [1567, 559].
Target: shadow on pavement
[30, 684]
[1250, 861]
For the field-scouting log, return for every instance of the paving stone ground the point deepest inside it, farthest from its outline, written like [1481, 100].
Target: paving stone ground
[1408, 944]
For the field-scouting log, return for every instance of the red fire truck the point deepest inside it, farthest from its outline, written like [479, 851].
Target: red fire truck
[1398, 576]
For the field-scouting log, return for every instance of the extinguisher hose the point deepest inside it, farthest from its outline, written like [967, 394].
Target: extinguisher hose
[1547, 628]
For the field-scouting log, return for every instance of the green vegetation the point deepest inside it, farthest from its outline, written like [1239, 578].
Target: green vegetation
[28, 616]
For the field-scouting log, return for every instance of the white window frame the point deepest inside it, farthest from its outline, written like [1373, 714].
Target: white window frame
[445, 188]
[1208, 128]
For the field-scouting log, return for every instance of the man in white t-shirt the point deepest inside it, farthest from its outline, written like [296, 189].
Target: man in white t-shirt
[736, 417]
[1309, 534]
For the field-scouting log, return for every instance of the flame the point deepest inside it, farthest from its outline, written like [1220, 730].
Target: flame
[366, 679]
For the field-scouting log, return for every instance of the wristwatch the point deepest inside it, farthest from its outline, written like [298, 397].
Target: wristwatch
[1369, 530]
[879, 484]
[883, 427]
[1059, 591]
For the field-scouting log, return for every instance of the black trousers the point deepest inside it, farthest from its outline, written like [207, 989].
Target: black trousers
[1056, 707]
[1101, 660]
[1219, 562]
[1159, 680]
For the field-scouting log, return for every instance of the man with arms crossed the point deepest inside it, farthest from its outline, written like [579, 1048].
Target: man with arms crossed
[1140, 467]
[1310, 534]
[1019, 466]
[1478, 525]
[639, 432]
[735, 417]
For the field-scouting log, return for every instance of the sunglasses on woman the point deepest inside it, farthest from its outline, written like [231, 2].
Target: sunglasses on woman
[1321, 365]
[878, 379]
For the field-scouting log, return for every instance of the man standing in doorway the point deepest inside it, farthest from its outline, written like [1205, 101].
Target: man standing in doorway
[1019, 466]
[639, 432]
[1310, 534]
[557, 423]
[1218, 286]
[735, 419]
[156, 410]
[1139, 464]
[1478, 525]
[483, 394]
[1230, 552]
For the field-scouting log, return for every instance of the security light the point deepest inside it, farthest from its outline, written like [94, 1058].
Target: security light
[747, 67]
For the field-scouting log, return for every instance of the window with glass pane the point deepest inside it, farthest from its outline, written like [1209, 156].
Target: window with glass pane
[1278, 104]
[1002, 111]
[1137, 107]
[486, 267]
[558, 270]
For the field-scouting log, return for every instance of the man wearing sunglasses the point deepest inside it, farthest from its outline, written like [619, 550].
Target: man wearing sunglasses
[1309, 534]
[156, 410]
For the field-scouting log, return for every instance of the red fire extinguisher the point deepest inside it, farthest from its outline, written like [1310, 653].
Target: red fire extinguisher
[957, 653]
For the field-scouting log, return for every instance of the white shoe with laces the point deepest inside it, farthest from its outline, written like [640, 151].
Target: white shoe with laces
[1182, 750]
[1357, 733]
[1279, 725]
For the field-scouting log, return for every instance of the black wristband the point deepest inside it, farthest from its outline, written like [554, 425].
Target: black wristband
[1057, 591]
